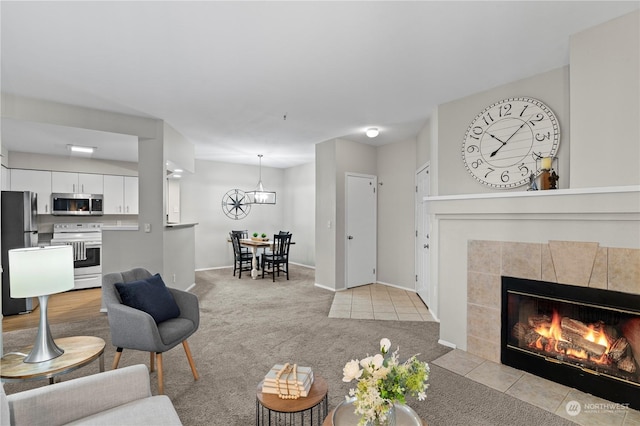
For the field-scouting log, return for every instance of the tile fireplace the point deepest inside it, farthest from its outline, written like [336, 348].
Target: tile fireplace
[586, 338]
[592, 270]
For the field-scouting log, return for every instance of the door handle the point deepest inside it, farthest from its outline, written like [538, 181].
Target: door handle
[350, 237]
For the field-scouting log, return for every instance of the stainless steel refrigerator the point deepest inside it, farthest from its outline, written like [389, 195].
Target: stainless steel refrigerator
[19, 229]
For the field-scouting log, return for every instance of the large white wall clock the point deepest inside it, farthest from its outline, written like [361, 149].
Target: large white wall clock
[233, 204]
[503, 143]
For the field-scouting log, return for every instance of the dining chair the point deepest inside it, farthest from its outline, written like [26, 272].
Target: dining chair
[244, 235]
[267, 250]
[241, 259]
[279, 258]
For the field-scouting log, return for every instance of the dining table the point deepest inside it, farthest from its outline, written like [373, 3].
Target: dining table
[254, 245]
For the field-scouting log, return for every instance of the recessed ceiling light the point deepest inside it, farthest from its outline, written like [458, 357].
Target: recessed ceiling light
[82, 149]
[372, 132]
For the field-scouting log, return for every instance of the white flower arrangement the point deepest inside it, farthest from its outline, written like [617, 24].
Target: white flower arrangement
[383, 381]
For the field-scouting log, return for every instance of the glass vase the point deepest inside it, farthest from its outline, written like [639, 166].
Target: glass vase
[389, 421]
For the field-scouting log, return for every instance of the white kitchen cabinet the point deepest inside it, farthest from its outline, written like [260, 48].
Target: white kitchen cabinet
[131, 195]
[173, 201]
[120, 194]
[6, 179]
[38, 181]
[84, 183]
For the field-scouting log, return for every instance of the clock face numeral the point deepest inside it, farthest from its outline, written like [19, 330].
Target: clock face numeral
[504, 142]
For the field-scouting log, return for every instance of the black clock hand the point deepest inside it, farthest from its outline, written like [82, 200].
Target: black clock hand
[505, 142]
[495, 138]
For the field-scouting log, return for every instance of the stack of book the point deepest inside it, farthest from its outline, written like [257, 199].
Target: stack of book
[287, 384]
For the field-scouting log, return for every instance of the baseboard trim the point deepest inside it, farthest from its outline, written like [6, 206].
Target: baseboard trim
[413, 290]
[447, 344]
[324, 287]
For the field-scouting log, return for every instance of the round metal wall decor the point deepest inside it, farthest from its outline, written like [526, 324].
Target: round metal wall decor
[233, 204]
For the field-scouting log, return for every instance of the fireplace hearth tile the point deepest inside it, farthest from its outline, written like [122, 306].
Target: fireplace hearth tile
[483, 322]
[459, 361]
[600, 270]
[573, 261]
[539, 392]
[593, 410]
[624, 270]
[484, 289]
[632, 418]
[484, 256]
[523, 260]
[463, 363]
[548, 270]
[496, 376]
[486, 349]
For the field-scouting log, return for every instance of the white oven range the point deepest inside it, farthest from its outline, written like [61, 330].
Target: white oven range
[86, 239]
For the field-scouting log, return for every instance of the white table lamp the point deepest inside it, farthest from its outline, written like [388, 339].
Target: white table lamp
[39, 272]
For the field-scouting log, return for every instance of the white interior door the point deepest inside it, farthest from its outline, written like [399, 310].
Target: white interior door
[423, 287]
[360, 229]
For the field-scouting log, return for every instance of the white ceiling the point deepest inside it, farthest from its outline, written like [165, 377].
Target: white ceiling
[245, 78]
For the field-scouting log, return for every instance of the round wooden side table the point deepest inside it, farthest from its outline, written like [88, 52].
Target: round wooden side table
[78, 352]
[312, 409]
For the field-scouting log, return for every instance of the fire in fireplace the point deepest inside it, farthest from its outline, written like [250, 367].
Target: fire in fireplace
[582, 337]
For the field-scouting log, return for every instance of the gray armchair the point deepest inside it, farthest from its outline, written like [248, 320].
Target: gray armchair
[135, 329]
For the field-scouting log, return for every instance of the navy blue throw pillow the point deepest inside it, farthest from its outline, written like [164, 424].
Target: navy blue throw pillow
[151, 296]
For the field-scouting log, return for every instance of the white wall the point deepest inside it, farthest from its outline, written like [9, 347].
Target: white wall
[27, 160]
[138, 248]
[351, 157]
[202, 194]
[326, 215]
[299, 199]
[611, 219]
[605, 104]
[396, 215]
[454, 117]
[394, 166]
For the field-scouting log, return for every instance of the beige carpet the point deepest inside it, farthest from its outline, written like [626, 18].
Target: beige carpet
[248, 326]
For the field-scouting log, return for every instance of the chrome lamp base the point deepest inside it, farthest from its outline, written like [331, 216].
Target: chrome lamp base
[44, 348]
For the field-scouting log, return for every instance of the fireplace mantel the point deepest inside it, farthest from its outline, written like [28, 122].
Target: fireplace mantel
[615, 200]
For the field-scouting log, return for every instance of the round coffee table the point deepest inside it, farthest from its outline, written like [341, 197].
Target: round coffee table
[270, 409]
[78, 352]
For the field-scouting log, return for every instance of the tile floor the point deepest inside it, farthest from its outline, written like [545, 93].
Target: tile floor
[571, 404]
[379, 302]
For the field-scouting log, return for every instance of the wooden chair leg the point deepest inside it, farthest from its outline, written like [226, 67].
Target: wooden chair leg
[160, 373]
[116, 359]
[152, 357]
[190, 359]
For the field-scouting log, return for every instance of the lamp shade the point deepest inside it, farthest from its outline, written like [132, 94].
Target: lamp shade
[37, 271]
[259, 195]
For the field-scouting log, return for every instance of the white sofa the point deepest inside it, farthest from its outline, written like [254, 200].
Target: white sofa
[116, 397]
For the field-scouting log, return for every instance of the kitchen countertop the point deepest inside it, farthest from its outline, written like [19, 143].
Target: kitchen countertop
[121, 227]
[180, 225]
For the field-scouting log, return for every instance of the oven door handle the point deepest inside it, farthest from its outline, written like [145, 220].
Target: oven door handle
[86, 277]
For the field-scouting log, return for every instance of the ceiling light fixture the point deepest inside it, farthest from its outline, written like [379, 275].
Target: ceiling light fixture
[372, 132]
[81, 149]
[259, 195]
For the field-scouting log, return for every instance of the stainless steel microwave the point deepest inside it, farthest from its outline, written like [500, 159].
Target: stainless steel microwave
[76, 204]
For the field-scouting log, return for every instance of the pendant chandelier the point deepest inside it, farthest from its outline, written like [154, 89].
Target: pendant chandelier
[259, 195]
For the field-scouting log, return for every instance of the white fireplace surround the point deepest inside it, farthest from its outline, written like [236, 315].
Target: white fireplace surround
[588, 237]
